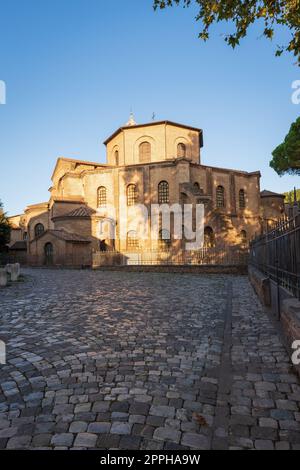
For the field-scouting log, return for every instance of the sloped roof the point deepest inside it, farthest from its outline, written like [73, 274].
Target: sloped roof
[155, 123]
[266, 193]
[66, 236]
[19, 246]
[80, 212]
[76, 161]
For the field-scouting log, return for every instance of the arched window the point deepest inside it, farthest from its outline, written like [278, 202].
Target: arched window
[102, 197]
[38, 230]
[209, 238]
[181, 150]
[220, 193]
[145, 152]
[117, 158]
[131, 195]
[243, 237]
[132, 240]
[242, 199]
[197, 186]
[25, 235]
[163, 192]
[164, 240]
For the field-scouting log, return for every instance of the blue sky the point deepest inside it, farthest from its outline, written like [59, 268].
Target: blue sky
[74, 68]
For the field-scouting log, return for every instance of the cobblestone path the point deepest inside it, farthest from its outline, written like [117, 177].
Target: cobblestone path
[114, 360]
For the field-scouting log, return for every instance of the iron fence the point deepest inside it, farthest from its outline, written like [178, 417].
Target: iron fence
[277, 254]
[206, 256]
[8, 258]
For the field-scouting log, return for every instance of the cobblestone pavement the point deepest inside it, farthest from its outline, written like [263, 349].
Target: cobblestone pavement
[114, 360]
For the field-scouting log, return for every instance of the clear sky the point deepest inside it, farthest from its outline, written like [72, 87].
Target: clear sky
[74, 68]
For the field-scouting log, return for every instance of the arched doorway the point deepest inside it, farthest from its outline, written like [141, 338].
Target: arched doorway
[48, 250]
[209, 238]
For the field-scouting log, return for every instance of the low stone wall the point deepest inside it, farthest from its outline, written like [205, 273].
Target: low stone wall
[100, 260]
[261, 285]
[192, 269]
[290, 320]
[283, 306]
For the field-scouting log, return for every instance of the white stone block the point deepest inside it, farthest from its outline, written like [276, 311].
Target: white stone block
[13, 270]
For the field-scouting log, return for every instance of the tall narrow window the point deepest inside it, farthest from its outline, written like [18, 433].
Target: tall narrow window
[131, 195]
[242, 199]
[38, 230]
[220, 196]
[117, 158]
[244, 237]
[163, 192]
[102, 196]
[132, 240]
[145, 152]
[209, 237]
[181, 150]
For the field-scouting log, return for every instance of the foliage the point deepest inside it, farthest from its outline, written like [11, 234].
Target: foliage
[286, 157]
[5, 229]
[289, 196]
[243, 13]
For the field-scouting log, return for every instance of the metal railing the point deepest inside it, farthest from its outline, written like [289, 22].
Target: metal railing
[277, 254]
[8, 258]
[205, 256]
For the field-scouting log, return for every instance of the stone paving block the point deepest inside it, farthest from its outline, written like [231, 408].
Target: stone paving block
[282, 414]
[139, 408]
[99, 428]
[167, 434]
[195, 441]
[287, 405]
[8, 432]
[282, 445]
[85, 440]
[63, 439]
[100, 406]
[82, 408]
[268, 423]
[41, 440]
[261, 444]
[108, 441]
[78, 426]
[264, 433]
[239, 430]
[243, 442]
[130, 443]
[120, 428]
[162, 411]
[137, 419]
[19, 442]
[289, 425]
[147, 431]
[118, 416]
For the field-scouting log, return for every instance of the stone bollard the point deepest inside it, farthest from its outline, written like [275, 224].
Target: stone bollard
[13, 270]
[18, 268]
[8, 270]
[3, 278]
